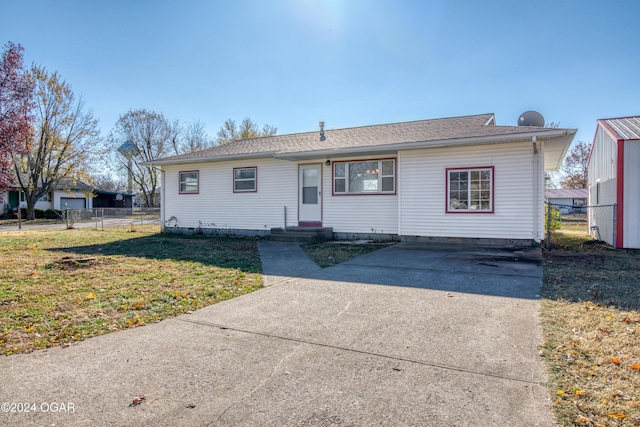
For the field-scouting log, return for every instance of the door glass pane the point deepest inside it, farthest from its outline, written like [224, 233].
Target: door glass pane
[309, 177]
[309, 195]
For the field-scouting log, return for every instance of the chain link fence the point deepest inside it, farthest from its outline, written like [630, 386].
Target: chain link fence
[103, 217]
[568, 225]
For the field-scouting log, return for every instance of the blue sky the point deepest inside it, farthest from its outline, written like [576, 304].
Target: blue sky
[291, 63]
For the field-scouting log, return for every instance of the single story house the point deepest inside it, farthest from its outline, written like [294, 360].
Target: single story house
[67, 194]
[571, 199]
[613, 175]
[459, 179]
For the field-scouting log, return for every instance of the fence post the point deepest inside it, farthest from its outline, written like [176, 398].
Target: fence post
[548, 241]
[615, 211]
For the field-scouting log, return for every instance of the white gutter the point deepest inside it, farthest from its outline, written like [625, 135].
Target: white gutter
[457, 142]
[204, 159]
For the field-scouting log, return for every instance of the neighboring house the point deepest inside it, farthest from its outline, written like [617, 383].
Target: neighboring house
[460, 179]
[569, 199]
[613, 175]
[68, 194]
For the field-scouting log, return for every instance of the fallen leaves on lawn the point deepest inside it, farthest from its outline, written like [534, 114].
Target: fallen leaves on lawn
[617, 415]
[137, 401]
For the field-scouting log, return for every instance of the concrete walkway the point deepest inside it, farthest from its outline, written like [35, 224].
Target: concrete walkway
[409, 335]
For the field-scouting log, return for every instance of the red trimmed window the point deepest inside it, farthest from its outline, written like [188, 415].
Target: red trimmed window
[245, 180]
[470, 190]
[365, 177]
[189, 182]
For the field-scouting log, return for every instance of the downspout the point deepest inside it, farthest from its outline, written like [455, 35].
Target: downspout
[536, 190]
[162, 202]
[162, 198]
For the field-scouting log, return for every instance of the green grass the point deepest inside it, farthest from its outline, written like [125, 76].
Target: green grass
[331, 253]
[61, 286]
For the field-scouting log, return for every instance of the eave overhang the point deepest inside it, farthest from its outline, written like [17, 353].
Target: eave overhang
[557, 143]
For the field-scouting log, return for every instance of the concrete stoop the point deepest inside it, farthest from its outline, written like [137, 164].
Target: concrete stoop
[301, 234]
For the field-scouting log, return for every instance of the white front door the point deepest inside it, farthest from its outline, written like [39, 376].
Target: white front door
[310, 195]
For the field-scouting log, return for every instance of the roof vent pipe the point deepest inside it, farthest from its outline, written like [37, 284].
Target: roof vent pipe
[322, 137]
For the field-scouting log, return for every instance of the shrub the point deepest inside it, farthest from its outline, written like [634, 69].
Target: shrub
[554, 223]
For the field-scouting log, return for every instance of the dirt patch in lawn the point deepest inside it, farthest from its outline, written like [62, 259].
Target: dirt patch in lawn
[331, 253]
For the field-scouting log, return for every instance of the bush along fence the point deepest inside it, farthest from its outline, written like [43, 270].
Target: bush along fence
[568, 225]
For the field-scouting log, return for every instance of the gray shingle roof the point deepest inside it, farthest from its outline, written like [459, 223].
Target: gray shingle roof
[358, 139]
[626, 127]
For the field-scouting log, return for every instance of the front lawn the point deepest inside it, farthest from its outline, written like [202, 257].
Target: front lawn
[61, 286]
[591, 325]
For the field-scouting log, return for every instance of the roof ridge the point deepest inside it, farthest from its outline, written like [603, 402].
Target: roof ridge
[366, 126]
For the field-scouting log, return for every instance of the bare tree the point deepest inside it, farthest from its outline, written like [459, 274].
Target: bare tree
[230, 131]
[64, 140]
[195, 137]
[107, 182]
[574, 167]
[150, 136]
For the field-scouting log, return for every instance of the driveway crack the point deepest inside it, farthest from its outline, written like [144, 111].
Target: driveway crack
[352, 350]
[257, 387]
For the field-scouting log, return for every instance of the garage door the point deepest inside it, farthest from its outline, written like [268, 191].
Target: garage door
[72, 203]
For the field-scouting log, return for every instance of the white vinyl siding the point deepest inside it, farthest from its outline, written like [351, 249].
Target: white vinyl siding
[362, 213]
[422, 190]
[602, 169]
[218, 206]
[602, 174]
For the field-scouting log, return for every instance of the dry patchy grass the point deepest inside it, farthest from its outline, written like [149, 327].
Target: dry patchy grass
[591, 324]
[331, 253]
[61, 286]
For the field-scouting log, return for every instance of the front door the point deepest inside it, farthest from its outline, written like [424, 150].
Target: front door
[310, 195]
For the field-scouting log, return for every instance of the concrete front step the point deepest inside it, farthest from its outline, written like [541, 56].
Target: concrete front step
[302, 234]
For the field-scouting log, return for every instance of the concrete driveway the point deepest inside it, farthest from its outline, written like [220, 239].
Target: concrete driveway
[410, 335]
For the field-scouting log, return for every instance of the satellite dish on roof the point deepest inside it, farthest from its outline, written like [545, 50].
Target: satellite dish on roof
[531, 118]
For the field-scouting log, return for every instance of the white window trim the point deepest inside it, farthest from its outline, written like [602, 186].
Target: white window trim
[346, 191]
